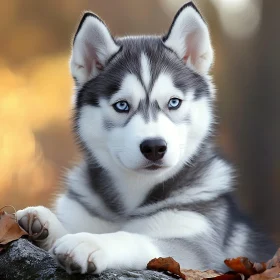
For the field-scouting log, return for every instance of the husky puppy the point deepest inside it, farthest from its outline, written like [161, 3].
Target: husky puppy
[152, 183]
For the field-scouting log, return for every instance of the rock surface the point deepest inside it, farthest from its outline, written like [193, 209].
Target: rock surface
[23, 260]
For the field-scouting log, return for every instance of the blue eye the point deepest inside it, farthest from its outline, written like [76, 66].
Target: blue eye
[174, 103]
[121, 107]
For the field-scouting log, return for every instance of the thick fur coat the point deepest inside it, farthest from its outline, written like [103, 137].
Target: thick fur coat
[152, 182]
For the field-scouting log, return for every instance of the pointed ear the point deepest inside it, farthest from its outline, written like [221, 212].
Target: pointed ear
[92, 47]
[189, 38]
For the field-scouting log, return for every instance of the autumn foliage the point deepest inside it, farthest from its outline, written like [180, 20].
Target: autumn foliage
[241, 268]
[9, 229]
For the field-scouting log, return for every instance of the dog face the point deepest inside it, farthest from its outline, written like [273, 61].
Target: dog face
[143, 103]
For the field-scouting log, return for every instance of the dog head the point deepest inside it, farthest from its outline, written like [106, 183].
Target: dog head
[143, 103]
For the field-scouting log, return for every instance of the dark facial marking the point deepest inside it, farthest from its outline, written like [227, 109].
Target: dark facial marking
[108, 125]
[143, 109]
[155, 109]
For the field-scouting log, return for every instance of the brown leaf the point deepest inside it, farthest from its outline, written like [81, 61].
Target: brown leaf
[271, 273]
[260, 267]
[241, 265]
[166, 264]
[198, 274]
[228, 276]
[256, 271]
[9, 228]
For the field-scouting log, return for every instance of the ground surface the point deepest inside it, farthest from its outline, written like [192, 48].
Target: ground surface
[22, 260]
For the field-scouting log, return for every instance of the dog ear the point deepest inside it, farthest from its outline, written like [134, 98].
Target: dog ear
[189, 38]
[92, 47]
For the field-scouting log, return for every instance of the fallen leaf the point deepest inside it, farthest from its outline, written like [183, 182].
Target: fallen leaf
[198, 274]
[9, 228]
[241, 265]
[166, 264]
[260, 267]
[256, 271]
[228, 276]
[242, 268]
[272, 273]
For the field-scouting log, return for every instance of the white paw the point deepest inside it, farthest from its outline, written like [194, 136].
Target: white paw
[81, 253]
[41, 224]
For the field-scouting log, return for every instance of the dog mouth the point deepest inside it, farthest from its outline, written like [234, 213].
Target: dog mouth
[153, 167]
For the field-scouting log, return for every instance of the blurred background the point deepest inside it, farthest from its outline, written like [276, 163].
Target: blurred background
[36, 145]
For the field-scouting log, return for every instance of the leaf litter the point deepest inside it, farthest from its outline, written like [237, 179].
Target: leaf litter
[241, 269]
[9, 228]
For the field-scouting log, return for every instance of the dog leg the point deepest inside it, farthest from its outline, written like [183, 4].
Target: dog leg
[93, 253]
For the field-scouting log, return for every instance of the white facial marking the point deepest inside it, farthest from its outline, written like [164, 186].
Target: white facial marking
[201, 119]
[164, 89]
[130, 90]
[145, 70]
[90, 127]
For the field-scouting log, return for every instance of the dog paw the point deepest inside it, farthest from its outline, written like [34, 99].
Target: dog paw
[80, 253]
[41, 224]
[34, 220]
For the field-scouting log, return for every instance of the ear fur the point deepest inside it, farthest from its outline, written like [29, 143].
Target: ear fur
[189, 38]
[93, 45]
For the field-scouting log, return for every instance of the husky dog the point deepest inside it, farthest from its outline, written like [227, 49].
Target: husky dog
[152, 183]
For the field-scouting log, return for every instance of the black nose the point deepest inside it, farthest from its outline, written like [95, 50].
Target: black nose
[153, 149]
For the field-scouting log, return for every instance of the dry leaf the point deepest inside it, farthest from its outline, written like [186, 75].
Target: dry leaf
[272, 273]
[242, 268]
[166, 264]
[241, 265]
[9, 228]
[260, 267]
[256, 271]
[229, 276]
[198, 274]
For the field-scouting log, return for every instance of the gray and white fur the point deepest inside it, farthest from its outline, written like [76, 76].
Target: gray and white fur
[152, 182]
